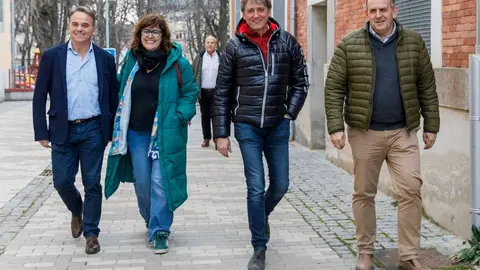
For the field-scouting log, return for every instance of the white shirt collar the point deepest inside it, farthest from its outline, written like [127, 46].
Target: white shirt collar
[387, 38]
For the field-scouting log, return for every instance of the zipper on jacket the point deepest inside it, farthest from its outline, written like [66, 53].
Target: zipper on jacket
[367, 125]
[399, 84]
[265, 67]
[273, 64]
[238, 103]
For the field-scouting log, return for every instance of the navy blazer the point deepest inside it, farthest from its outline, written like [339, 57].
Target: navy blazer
[52, 80]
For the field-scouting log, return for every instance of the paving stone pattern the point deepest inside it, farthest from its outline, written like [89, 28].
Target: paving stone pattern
[210, 230]
[322, 193]
[312, 229]
[21, 158]
[16, 213]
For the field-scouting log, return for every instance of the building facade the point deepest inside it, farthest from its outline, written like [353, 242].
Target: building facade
[448, 28]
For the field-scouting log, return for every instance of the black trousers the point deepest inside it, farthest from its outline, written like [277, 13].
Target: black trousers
[206, 109]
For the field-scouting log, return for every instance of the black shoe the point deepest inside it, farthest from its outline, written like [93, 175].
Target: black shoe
[206, 143]
[92, 246]
[267, 230]
[257, 262]
[76, 226]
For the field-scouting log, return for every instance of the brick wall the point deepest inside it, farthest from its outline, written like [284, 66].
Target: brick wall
[349, 15]
[458, 32]
[301, 24]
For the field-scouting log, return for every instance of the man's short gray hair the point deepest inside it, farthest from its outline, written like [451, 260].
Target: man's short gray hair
[83, 9]
[210, 36]
[366, 4]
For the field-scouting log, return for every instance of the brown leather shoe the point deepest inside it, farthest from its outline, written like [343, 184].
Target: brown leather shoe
[365, 262]
[206, 143]
[412, 265]
[76, 226]
[93, 246]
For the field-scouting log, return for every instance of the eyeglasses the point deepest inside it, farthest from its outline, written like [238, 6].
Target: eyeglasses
[154, 33]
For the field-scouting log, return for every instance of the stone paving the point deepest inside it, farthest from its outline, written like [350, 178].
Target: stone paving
[210, 230]
[21, 159]
[322, 193]
[312, 229]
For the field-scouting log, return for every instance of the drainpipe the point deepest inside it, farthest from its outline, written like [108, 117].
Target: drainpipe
[293, 18]
[12, 43]
[477, 47]
[474, 107]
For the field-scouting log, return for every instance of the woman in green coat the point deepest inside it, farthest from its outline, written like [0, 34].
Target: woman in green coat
[157, 100]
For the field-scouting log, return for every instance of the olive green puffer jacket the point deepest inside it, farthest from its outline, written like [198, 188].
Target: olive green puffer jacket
[351, 81]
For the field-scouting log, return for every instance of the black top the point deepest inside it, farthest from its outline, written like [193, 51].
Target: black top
[145, 98]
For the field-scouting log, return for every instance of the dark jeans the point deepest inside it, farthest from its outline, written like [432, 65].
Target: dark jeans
[206, 109]
[84, 145]
[151, 197]
[273, 143]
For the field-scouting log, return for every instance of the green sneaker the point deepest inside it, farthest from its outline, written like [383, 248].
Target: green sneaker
[160, 243]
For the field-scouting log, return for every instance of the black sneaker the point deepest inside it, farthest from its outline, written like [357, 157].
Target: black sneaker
[257, 262]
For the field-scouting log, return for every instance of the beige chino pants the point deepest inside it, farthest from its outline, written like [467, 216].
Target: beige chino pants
[401, 151]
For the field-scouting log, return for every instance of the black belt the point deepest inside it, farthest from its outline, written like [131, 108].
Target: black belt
[208, 89]
[81, 121]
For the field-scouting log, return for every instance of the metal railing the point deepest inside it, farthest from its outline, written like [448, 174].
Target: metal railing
[22, 79]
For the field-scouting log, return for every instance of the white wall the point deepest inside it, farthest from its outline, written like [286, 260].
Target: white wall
[436, 33]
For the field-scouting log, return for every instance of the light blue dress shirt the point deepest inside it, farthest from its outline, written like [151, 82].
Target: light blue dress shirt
[82, 85]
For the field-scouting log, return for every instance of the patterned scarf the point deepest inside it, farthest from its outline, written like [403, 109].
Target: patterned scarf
[122, 118]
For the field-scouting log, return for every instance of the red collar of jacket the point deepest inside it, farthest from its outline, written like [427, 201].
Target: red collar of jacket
[261, 41]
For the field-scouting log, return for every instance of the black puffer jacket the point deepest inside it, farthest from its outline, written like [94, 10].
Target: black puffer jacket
[252, 90]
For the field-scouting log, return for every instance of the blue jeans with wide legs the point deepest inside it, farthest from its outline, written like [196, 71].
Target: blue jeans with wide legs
[152, 201]
[273, 143]
[85, 146]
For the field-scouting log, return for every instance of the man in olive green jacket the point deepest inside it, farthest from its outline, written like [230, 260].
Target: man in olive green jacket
[380, 82]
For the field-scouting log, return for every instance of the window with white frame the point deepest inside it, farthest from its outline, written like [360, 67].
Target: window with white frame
[1, 16]
[416, 15]
[238, 12]
[278, 12]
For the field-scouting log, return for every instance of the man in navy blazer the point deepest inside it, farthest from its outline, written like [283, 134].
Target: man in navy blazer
[80, 79]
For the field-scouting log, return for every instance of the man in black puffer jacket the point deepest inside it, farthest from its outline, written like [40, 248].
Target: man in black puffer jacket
[262, 84]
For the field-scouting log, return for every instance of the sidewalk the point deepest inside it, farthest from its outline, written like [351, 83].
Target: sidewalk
[210, 230]
[21, 158]
[311, 229]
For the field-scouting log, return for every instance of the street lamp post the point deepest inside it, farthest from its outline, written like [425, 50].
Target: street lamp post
[12, 43]
[107, 24]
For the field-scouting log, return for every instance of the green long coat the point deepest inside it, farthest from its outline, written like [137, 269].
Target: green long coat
[176, 107]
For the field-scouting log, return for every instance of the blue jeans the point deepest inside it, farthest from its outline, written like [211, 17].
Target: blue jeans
[151, 198]
[273, 143]
[84, 144]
